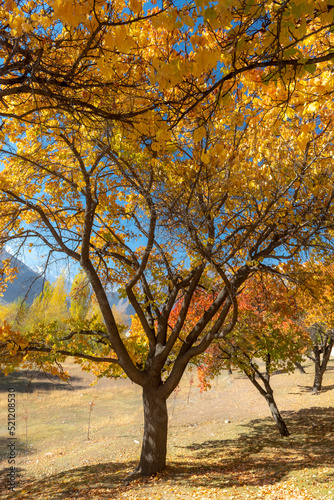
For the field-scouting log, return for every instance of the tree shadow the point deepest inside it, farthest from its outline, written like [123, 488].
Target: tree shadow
[28, 381]
[256, 457]
[259, 456]
[103, 481]
[20, 449]
[308, 389]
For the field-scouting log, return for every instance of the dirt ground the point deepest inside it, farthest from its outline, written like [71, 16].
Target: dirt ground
[52, 424]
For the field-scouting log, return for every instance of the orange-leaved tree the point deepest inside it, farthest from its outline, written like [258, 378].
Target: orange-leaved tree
[210, 211]
[268, 332]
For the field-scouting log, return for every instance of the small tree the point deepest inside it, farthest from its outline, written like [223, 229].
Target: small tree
[316, 304]
[320, 352]
[80, 297]
[266, 330]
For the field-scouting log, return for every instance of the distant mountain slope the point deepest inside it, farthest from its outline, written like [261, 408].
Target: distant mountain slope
[27, 284]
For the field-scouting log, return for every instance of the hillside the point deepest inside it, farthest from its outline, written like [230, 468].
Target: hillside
[27, 284]
[223, 444]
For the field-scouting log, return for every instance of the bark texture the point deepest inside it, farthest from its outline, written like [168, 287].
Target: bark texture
[267, 392]
[154, 446]
[282, 428]
[321, 351]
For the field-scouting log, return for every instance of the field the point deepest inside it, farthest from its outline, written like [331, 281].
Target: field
[222, 443]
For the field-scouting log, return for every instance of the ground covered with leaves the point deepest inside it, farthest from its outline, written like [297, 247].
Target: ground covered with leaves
[222, 443]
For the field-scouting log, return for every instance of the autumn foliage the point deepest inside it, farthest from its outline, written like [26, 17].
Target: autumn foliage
[268, 330]
[166, 149]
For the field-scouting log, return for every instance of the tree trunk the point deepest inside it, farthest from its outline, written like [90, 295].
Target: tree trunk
[283, 430]
[318, 375]
[321, 351]
[317, 369]
[154, 447]
[320, 366]
[268, 393]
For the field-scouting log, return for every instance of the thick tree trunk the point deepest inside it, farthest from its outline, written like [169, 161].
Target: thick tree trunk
[283, 430]
[154, 447]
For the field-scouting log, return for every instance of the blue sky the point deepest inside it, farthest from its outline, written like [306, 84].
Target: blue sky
[34, 258]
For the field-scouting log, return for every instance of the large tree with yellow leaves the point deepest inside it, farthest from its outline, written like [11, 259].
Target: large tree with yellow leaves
[116, 60]
[164, 151]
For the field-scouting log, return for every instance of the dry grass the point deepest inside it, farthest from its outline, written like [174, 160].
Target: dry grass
[208, 458]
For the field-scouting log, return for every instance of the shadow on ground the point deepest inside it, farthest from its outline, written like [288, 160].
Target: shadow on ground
[102, 481]
[32, 380]
[256, 457]
[261, 457]
[308, 389]
[20, 448]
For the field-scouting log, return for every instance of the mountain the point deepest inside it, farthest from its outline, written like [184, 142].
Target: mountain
[27, 284]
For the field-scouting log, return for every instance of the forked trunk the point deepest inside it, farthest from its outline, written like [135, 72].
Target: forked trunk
[154, 447]
[283, 430]
[320, 357]
[321, 365]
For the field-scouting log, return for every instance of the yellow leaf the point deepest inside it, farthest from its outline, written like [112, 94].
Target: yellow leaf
[135, 6]
[311, 108]
[199, 133]
[205, 158]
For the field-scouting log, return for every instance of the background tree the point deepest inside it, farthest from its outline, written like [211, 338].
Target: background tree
[53, 313]
[316, 315]
[267, 332]
[322, 345]
[48, 307]
[81, 297]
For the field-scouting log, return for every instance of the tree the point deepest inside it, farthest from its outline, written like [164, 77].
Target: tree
[48, 307]
[21, 324]
[81, 297]
[206, 215]
[51, 305]
[266, 330]
[322, 345]
[316, 314]
[159, 206]
[101, 60]
[48, 317]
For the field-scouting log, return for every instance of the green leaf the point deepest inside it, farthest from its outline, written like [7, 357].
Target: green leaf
[210, 14]
[310, 68]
